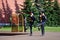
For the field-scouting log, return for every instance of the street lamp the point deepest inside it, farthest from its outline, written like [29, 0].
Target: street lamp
[18, 21]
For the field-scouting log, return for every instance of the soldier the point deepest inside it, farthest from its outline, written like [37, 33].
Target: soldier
[42, 22]
[31, 22]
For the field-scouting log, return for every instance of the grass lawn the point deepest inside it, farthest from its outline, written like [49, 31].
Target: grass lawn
[5, 29]
[52, 29]
[47, 29]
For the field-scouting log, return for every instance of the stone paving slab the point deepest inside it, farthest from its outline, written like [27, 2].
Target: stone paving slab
[35, 36]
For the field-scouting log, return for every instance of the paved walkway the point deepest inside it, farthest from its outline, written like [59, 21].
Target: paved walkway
[36, 36]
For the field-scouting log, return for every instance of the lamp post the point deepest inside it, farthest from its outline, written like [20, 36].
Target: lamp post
[18, 21]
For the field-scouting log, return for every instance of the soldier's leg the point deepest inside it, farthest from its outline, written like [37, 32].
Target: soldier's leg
[31, 30]
[42, 29]
[39, 26]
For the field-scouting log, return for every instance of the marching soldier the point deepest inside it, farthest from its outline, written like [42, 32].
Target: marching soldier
[31, 22]
[42, 19]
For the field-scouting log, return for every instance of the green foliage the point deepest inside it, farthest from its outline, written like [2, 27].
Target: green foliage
[52, 10]
[30, 7]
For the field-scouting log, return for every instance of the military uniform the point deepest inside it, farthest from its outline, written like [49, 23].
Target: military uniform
[42, 23]
[31, 22]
